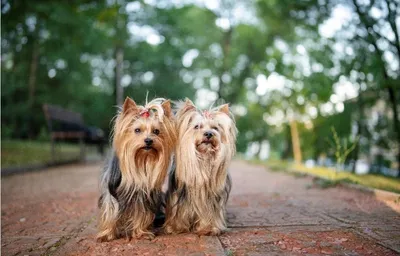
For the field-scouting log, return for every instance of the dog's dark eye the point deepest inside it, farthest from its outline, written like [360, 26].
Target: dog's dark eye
[137, 130]
[196, 126]
[215, 128]
[156, 131]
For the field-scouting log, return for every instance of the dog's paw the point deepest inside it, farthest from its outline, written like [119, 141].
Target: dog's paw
[143, 235]
[175, 230]
[149, 236]
[208, 231]
[104, 238]
[168, 230]
[215, 232]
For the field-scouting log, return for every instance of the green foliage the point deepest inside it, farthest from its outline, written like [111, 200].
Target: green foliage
[327, 177]
[63, 53]
[229, 252]
[342, 149]
[75, 43]
[253, 119]
[16, 153]
[322, 130]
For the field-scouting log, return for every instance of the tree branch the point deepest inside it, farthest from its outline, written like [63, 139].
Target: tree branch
[384, 37]
[370, 38]
[393, 25]
[372, 3]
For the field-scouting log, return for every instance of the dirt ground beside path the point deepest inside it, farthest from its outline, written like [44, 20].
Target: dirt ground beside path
[53, 212]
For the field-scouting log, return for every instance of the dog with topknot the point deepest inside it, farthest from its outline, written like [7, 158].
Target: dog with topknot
[144, 139]
[199, 186]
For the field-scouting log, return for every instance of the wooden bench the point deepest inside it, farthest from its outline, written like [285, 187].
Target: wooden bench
[68, 125]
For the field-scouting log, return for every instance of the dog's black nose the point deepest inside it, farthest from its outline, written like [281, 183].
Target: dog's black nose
[208, 135]
[148, 141]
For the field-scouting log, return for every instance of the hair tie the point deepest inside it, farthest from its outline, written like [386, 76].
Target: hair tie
[145, 113]
[206, 114]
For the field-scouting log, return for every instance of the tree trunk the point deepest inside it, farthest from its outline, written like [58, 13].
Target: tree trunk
[391, 90]
[396, 124]
[356, 150]
[32, 74]
[287, 150]
[259, 149]
[360, 125]
[295, 142]
[32, 84]
[226, 46]
[389, 86]
[119, 90]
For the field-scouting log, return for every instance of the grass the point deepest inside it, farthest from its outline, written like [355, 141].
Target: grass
[229, 252]
[15, 153]
[328, 177]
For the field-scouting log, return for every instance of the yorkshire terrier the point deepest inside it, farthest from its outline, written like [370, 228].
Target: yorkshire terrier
[144, 138]
[199, 187]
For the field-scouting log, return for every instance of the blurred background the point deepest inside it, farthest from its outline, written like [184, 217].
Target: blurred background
[314, 83]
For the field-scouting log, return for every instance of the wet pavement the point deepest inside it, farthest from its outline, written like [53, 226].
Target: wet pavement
[53, 212]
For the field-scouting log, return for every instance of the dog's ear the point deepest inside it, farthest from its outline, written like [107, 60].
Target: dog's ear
[188, 106]
[129, 106]
[224, 109]
[166, 105]
[184, 108]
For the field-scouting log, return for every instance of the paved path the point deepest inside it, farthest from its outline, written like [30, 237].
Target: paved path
[53, 213]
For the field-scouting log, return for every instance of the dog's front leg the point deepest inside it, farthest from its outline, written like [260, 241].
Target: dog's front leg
[141, 223]
[108, 218]
[178, 215]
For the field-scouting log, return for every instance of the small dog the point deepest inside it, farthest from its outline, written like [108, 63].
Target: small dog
[131, 187]
[199, 187]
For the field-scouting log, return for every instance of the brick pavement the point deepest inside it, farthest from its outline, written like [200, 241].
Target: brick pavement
[53, 212]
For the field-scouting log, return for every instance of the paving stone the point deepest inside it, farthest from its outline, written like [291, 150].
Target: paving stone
[53, 212]
[299, 240]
